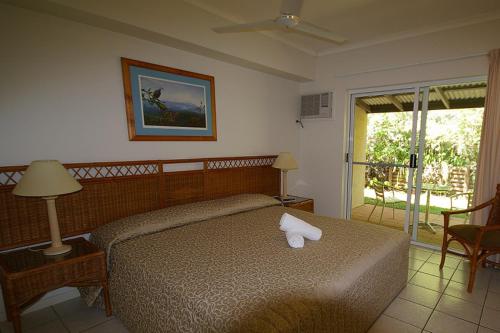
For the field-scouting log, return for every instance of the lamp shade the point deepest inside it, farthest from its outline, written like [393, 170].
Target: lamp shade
[285, 161]
[46, 178]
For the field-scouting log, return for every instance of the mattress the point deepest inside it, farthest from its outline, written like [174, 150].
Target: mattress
[231, 270]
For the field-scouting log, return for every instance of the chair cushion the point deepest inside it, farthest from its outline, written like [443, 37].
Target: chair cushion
[468, 232]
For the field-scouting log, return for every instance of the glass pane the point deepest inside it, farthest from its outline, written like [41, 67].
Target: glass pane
[379, 195]
[382, 128]
[382, 133]
[452, 136]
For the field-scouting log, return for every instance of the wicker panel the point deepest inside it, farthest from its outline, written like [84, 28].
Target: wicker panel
[50, 279]
[223, 182]
[183, 187]
[107, 171]
[25, 221]
[100, 203]
[240, 162]
[21, 219]
[112, 190]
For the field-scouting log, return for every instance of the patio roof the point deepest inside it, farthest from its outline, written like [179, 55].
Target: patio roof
[457, 96]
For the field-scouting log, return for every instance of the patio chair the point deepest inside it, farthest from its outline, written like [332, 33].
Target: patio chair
[479, 242]
[459, 180]
[468, 196]
[398, 179]
[381, 196]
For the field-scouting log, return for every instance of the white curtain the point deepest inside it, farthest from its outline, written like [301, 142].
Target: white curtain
[488, 170]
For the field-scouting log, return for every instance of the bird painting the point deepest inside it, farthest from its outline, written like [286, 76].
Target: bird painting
[172, 104]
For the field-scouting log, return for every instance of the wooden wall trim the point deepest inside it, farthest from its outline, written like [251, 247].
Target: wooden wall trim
[112, 190]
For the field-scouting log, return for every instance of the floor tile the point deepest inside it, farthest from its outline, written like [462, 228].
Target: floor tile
[31, 320]
[459, 290]
[492, 300]
[415, 264]
[37, 318]
[385, 324]
[450, 261]
[442, 323]
[420, 295]
[459, 308]
[485, 330]
[409, 312]
[451, 255]
[418, 253]
[481, 281]
[494, 285]
[491, 319]
[77, 316]
[495, 273]
[433, 269]
[70, 306]
[112, 325]
[463, 265]
[429, 281]
[50, 327]
[411, 272]
[418, 247]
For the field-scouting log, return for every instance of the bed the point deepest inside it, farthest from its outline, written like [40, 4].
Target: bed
[224, 266]
[186, 255]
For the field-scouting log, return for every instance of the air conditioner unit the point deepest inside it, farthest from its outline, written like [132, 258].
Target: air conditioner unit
[316, 106]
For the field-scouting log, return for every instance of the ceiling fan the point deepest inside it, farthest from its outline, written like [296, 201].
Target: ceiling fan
[289, 19]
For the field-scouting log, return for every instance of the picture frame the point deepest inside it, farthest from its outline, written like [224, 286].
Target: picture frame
[168, 104]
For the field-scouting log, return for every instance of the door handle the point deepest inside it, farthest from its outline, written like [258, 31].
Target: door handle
[413, 160]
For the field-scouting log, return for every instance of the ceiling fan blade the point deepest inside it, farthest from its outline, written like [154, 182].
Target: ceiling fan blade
[248, 27]
[291, 7]
[318, 32]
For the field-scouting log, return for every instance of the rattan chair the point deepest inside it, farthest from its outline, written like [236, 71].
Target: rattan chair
[479, 242]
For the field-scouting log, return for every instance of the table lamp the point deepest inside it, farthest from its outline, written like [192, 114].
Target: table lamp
[285, 162]
[48, 179]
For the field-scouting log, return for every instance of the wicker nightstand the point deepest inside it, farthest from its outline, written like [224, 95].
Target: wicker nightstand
[305, 204]
[26, 275]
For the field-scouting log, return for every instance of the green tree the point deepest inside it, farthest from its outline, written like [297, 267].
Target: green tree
[452, 140]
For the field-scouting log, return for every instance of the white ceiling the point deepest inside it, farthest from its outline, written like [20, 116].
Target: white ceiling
[361, 21]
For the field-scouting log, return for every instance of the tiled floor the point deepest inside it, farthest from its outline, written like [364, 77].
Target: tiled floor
[70, 316]
[433, 301]
[438, 302]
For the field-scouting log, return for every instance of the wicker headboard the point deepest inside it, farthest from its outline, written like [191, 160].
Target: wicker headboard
[112, 190]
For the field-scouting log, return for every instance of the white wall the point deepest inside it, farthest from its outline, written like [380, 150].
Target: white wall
[61, 97]
[186, 26]
[437, 56]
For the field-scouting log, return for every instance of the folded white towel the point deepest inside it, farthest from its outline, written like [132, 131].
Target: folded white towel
[291, 223]
[294, 239]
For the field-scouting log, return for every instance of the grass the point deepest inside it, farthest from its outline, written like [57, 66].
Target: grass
[401, 205]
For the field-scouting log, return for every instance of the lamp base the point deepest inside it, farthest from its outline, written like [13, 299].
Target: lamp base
[55, 250]
[286, 198]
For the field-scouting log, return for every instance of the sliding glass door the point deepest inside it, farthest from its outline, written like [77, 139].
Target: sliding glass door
[449, 149]
[412, 153]
[382, 156]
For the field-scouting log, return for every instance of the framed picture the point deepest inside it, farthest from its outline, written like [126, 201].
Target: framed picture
[169, 104]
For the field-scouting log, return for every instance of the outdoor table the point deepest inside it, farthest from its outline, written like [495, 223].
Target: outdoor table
[429, 187]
